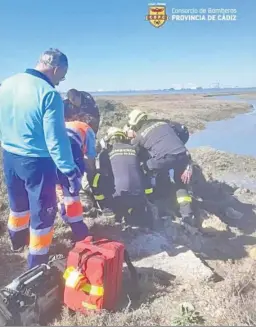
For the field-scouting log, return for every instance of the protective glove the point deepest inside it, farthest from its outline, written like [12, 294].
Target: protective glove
[85, 183]
[75, 181]
[187, 174]
[103, 143]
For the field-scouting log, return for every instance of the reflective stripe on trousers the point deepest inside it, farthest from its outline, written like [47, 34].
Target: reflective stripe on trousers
[95, 185]
[72, 209]
[30, 185]
[40, 240]
[184, 200]
[18, 221]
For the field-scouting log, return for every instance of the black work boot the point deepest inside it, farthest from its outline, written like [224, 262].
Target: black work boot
[18, 250]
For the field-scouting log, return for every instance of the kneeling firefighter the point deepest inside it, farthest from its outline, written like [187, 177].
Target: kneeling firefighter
[160, 186]
[167, 152]
[164, 184]
[120, 163]
[102, 189]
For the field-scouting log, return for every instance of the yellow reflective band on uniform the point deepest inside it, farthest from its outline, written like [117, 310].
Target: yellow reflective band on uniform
[122, 152]
[184, 199]
[148, 190]
[89, 306]
[93, 289]
[96, 180]
[130, 210]
[99, 197]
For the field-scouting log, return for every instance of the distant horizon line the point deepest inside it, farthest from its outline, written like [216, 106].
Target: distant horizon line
[170, 89]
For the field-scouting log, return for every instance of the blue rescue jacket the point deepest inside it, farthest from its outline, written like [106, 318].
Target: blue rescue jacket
[32, 119]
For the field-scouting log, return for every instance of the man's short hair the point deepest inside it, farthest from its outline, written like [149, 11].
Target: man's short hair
[72, 92]
[54, 58]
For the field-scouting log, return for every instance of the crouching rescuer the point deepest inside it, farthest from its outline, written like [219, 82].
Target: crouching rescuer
[167, 152]
[120, 163]
[83, 144]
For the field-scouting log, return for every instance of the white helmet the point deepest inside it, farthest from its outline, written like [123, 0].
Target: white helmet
[136, 116]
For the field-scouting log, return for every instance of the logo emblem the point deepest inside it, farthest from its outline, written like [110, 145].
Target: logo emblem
[157, 14]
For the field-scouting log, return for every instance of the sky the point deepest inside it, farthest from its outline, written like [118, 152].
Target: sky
[111, 46]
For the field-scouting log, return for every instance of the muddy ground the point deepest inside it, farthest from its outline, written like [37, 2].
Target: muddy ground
[210, 274]
[251, 95]
[193, 110]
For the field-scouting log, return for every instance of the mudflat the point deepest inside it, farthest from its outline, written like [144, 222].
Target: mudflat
[193, 110]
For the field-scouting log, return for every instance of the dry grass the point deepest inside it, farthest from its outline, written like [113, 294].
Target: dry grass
[228, 303]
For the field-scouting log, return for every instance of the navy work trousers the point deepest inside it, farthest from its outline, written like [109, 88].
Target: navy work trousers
[71, 209]
[178, 163]
[31, 190]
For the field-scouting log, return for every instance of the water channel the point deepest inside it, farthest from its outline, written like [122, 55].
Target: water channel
[235, 135]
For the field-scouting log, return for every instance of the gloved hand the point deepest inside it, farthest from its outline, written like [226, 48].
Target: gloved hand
[85, 183]
[187, 174]
[75, 181]
[103, 143]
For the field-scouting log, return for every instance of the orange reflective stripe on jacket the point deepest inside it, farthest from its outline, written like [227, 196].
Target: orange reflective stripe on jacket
[80, 129]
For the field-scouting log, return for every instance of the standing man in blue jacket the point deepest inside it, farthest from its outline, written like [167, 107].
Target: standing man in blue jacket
[35, 143]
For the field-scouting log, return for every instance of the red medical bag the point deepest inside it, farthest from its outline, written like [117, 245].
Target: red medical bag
[94, 275]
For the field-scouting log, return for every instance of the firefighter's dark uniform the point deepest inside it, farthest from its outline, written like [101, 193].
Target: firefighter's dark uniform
[180, 130]
[121, 165]
[149, 189]
[163, 187]
[167, 151]
[102, 182]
